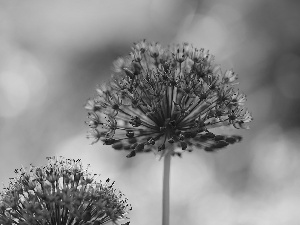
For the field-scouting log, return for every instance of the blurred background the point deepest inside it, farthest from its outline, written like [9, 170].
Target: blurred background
[53, 53]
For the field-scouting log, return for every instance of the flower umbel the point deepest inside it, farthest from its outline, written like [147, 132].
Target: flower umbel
[166, 96]
[61, 192]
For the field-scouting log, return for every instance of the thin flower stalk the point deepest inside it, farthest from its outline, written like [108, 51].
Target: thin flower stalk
[166, 190]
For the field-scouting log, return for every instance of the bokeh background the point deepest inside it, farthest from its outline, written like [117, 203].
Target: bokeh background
[53, 53]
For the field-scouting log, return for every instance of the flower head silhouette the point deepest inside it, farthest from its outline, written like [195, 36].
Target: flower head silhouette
[161, 98]
[62, 192]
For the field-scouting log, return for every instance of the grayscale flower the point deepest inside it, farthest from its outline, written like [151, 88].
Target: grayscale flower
[163, 98]
[62, 192]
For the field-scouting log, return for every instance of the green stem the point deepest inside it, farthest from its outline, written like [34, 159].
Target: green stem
[166, 189]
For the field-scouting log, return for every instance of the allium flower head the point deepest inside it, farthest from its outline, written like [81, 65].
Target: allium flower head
[161, 98]
[63, 193]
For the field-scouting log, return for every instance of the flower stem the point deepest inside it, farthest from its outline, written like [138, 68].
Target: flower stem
[166, 190]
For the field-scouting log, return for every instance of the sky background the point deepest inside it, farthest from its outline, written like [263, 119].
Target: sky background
[54, 53]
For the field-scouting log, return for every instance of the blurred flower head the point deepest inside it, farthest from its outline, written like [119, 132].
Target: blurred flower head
[62, 192]
[161, 98]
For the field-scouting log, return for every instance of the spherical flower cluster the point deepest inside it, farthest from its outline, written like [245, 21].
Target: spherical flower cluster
[162, 98]
[62, 192]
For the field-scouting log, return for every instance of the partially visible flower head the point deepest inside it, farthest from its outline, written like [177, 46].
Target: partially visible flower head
[162, 98]
[62, 192]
